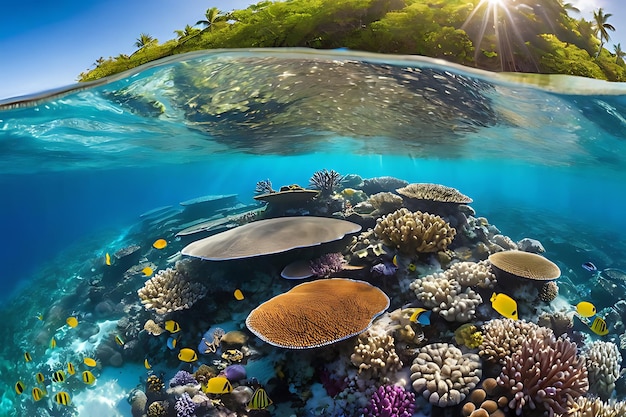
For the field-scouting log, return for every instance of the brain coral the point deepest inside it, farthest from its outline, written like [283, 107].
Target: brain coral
[169, 290]
[444, 374]
[545, 374]
[603, 361]
[375, 355]
[504, 337]
[413, 233]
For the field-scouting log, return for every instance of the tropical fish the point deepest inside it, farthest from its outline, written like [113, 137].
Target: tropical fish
[37, 394]
[172, 342]
[27, 357]
[107, 259]
[90, 362]
[238, 295]
[40, 378]
[410, 267]
[218, 385]
[58, 376]
[586, 309]
[146, 364]
[172, 326]
[62, 398]
[119, 340]
[147, 271]
[504, 305]
[19, 387]
[70, 368]
[160, 244]
[599, 326]
[187, 355]
[589, 266]
[421, 316]
[40, 317]
[88, 377]
[72, 321]
[259, 400]
[53, 343]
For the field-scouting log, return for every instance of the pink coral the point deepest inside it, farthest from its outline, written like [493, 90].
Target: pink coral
[327, 264]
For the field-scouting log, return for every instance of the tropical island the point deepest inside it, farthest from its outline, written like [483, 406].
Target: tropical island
[497, 35]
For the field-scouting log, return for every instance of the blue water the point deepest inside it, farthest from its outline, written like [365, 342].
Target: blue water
[78, 168]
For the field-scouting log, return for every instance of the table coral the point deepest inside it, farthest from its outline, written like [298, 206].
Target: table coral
[445, 375]
[504, 337]
[391, 401]
[603, 361]
[414, 232]
[169, 291]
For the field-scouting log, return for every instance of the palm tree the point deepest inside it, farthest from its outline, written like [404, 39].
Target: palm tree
[619, 54]
[569, 7]
[144, 40]
[602, 27]
[211, 16]
[188, 31]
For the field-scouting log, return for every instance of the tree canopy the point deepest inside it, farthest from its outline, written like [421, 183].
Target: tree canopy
[498, 36]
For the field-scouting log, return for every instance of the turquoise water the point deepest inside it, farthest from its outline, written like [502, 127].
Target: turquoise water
[541, 157]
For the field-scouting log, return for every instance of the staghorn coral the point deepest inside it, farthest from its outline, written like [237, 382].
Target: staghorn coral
[391, 401]
[603, 361]
[445, 375]
[327, 264]
[325, 181]
[184, 406]
[375, 355]
[414, 232]
[595, 407]
[544, 375]
[169, 290]
[548, 291]
[504, 337]
[264, 187]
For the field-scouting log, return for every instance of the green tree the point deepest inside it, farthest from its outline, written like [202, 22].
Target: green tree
[188, 31]
[619, 53]
[144, 40]
[602, 27]
[211, 16]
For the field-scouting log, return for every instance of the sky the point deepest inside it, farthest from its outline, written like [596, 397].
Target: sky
[47, 44]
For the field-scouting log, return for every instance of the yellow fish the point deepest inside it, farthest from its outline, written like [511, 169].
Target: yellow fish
[107, 259]
[599, 327]
[62, 398]
[72, 321]
[27, 357]
[88, 377]
[421, 316]
[412, 268]
[119, 340]
[586, 309]
[90, 362]
[238, 295]
[58, 376]
[217, 385]
[19, 387]
[37, 394]
[53, 343]
[160, 244]
[259, 400]
[70, 368]
[147, 271]
[39, 377]
[172, 326]
[40, 317]
[504, 305]
[187, 355]
[147, 364]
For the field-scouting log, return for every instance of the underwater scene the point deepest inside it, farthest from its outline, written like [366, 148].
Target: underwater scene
[289, 232]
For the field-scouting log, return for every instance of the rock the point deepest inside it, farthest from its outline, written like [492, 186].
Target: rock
[530, 245]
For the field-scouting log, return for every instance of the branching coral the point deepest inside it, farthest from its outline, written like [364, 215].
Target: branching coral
[184, 406]
[264, 187]
[445, 375]
[504, 337]
[325, 181]
[391, 401]
[182, 377]
[590, 407]
[413, 233]
[375, 355]
[546, 374]
[472, 274]
[603, 361]
[169, 291]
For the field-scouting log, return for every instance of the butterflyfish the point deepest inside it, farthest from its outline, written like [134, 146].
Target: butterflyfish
[62, 398]
[88, 377]
[187, 355]
[146, 364]
[90, 362]
[589, 266]
[259, 400]
[504, 305]
[172, 342]
[107, 259]
[238, 295]
[119, 340]
[160, 244]
[40, 378]
[53, 343]
[599, 326]
[410, 267]
[37, 394]
[172, 326]
[27, 357]
[72, 321]
[70, 368]
[586, 309]
[147, 271]
[58, 376]
[218, 385]
[19, 387]
[421, 316]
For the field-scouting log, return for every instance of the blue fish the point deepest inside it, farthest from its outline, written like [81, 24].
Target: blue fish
[589, 266]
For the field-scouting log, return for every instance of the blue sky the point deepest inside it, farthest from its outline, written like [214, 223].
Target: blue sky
[46, 44]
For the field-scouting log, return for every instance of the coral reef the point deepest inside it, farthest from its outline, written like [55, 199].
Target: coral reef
[560, 323]
[433, 192]
[468, 335]
[264, 187]
[153, 328]
[158, 409]
[184, 406]
[445, 375]
[382, 184]
[327, 264]
[472, 274]
[325, 181]
[391, 401]
[545, 374]
[384, 203]
[595, 407]
[504, 337]
[375, 355]
[169, 291]
[548, 291]
[524, 265]
[414, 232]
[603, 360]
[182, 377]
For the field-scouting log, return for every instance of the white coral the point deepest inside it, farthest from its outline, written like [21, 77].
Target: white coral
[375, 355]
[603, 361]
[170, 291]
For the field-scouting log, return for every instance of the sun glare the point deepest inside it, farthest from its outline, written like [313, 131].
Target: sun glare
[495, 2]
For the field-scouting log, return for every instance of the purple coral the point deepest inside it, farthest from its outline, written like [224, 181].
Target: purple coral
[391, 401]
[327, 264]
[185, 407]
[182, 378]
